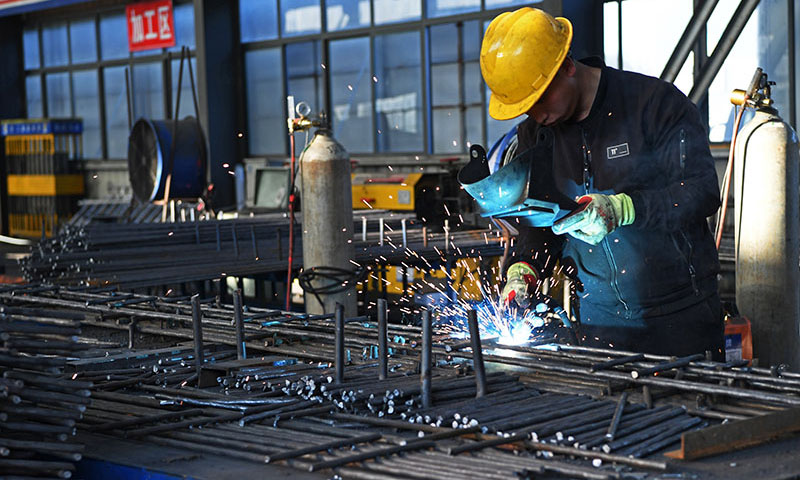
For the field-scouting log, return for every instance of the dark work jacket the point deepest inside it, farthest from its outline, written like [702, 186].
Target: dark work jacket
[643, 137]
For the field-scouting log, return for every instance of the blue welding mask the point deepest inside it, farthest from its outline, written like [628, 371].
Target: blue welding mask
[522, 188]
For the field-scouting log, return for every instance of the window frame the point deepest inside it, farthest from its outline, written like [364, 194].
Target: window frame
[371, 31]
[163, 56]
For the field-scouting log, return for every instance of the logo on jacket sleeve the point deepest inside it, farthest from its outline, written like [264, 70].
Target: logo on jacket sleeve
[617, 151]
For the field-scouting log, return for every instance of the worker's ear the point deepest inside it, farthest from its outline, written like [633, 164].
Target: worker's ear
[567, 66]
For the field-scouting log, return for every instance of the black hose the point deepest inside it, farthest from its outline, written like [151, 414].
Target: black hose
[329, 280]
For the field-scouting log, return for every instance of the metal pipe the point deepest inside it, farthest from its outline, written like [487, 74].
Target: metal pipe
[197, 326]
[477, 353]
[425, 360]
[693, 29]
[723, 48]
[383, 351]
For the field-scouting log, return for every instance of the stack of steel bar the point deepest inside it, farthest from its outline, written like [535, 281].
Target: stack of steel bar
[136, 255]
[128, 211]
[38, 407]
[311, 405]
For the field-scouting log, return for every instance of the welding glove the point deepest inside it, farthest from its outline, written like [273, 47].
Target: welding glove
[519, 278]
[599, 216]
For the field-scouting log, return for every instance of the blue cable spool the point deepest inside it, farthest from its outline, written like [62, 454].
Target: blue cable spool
[149, 147]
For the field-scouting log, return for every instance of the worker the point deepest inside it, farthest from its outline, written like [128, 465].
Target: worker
[631, 149]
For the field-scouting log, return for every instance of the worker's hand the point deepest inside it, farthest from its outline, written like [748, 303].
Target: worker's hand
[520, 277]
[600, 215]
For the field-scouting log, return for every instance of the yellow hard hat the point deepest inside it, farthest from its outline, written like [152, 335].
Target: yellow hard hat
[521, 53]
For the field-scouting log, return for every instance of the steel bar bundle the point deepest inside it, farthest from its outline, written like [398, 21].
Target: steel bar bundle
[366, 415]
[138, 255]
[38, 408]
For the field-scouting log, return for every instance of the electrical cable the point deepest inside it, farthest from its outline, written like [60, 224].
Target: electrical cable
[334, 280]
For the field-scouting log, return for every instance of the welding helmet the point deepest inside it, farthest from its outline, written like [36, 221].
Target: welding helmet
[521, 53]
[522, 188]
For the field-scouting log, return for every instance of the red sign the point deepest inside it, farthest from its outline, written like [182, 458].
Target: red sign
[150, 25]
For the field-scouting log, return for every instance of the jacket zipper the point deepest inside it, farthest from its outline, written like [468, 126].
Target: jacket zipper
[612, 263]
[692, 271]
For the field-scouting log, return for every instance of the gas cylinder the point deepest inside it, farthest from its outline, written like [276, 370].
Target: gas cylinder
[326, 203]
[767, 233]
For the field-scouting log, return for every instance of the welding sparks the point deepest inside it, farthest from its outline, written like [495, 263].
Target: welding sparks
[509, 325]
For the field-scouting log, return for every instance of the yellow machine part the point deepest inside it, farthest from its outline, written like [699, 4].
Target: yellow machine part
[29, 225]
[464, 279]
[45, 185]
[392, 193]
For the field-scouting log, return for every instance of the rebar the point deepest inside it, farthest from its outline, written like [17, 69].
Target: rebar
[477, 353]
[383, 351]
[241, 352]
[425, 360]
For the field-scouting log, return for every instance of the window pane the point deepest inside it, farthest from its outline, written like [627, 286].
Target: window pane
[300, 17]
[266, 117]
[351, 95]
[54, 44]
[471, 34]
[184, 26]
[116, 112]
[474, 126]
[258, 20]
[187, 102]
[444, 84]
[148, 91]
[439, 8]
[82, 40]
[643, 40]
[30, 43]
[87, 107]
[390, 11]
[58, 102]
[33, 96]
[113, 37]
[444, 43]
[611, 34]
[398, 92]
[344, 14]
[763, 44]
[304, 75]
[473, 82]
[446, 130]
